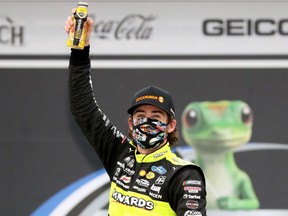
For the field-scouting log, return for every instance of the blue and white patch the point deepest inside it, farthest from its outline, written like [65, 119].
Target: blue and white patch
[161, 170]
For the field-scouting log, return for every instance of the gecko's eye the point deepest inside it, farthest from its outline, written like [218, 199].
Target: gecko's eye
[247, 115]
[189, 118]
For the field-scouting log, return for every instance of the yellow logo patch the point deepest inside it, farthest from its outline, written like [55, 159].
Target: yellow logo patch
[150, 175]
[142, 173]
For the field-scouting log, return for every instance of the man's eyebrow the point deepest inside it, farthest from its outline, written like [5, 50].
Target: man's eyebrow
[154, 111]
[158, 111]
[138, 110]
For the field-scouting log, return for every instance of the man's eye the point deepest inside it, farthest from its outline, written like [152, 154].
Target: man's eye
[139, 116]
[157, 117]
[146, 127]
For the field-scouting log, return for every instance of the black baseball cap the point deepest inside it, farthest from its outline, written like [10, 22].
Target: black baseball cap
[155, 96]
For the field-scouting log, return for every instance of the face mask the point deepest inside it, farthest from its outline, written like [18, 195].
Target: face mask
[149, 133]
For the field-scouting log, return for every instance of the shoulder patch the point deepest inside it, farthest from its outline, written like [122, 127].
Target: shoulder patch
[179, 161]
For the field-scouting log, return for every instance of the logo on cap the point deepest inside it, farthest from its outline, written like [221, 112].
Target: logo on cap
[153, 97]
[161, 99]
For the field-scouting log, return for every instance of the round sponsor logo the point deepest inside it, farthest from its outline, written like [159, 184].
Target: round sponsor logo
[142, 173]
[150, 175]
[161, 99]
[192, 204]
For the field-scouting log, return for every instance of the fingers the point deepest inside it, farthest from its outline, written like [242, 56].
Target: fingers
[90, 23]
[89, 20]
[68, 24]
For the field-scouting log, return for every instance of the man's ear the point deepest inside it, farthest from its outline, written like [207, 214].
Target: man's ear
[171, 126]
[130, 123]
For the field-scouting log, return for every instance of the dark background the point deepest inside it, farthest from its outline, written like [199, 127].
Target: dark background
[43, 151]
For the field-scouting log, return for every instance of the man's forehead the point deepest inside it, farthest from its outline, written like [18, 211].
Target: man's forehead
[149, 108]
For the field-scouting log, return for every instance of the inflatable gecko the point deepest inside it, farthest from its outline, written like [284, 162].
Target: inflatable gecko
[214, 130]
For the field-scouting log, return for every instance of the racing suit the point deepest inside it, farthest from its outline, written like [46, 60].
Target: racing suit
[155, 184]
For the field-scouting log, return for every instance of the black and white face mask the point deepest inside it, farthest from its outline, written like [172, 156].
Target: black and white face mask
[149, 133]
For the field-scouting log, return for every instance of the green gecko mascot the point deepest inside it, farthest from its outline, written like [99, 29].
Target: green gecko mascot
[214, 129]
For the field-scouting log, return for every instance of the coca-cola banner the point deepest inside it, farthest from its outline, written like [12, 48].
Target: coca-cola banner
[153, 27]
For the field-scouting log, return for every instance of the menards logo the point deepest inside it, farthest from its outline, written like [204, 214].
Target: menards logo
[132, 201]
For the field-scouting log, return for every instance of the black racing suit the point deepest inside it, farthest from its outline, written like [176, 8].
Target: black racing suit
[156, 184]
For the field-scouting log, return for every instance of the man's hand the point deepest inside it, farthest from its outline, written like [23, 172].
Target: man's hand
[89, 24]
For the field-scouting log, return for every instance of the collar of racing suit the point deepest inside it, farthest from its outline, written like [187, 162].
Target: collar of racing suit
[157, 155]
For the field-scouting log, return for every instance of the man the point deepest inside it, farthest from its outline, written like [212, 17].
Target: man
[146, 177]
